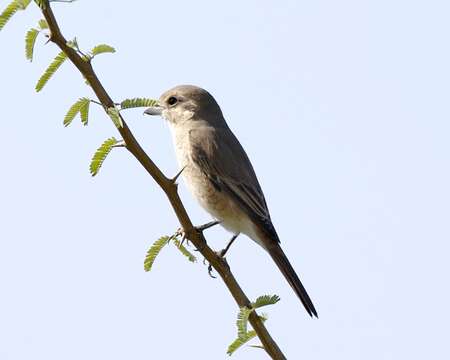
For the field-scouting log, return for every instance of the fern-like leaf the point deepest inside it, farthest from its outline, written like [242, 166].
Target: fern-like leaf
[184, 251]
[101, 154]
[84, 112]
[30, 40]
[265, 300]
[242, 320]
[115, 117]
[101, 49]
[76, 108]
[153, 252]
[236, 344]
[23, 4]
[11, 9]
[43, 24]
[138, 102]
[56, 63]
[245, 337]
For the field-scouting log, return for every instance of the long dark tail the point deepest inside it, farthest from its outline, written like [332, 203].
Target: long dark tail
[288, 271]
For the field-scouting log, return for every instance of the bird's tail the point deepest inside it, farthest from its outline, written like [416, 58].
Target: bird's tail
[288, 271]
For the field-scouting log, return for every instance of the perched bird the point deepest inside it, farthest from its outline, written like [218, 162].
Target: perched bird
[219, 173]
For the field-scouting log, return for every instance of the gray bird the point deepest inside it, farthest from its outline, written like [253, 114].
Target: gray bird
[219, 174]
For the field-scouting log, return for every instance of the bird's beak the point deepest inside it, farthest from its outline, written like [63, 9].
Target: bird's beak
[154, 110]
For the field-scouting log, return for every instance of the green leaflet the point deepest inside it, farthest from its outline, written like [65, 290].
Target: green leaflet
[242, 321]
[84, 112]
[236, 344]
[157, 246]
[184, 251]
[43, 24]
[244, 312]
[154, 250]
[138, 102]
[115, 117]
[11, 9]
[244, 338]
[265, 300]
[56, 63]
[82, 107]
[30, 40]
[101, 154]
[101, 49]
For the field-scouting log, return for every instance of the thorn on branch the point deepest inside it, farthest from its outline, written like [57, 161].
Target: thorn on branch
[174, 179]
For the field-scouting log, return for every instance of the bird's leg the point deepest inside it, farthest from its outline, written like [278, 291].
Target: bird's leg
[207, 225]
[222, 253]
[201, 228]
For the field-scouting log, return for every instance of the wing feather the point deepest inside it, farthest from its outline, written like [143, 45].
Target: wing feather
[223, 160]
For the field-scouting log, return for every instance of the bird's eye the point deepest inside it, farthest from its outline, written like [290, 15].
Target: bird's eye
[172, 100]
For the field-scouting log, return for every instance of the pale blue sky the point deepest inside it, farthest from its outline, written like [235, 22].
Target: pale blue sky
[343, 109]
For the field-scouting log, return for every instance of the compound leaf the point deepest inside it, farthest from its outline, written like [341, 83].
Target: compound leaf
[184, 251]
[11, 9]
[101, 49]
[153, 252]
[236, 344]
[101, 154]
[82, 107]
[265, 300]
[138, 102]
[56, 63]
[30, 40]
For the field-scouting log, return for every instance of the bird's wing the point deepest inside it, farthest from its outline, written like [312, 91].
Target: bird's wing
[222, 159]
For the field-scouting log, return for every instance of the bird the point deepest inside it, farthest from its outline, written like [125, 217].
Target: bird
[219, 174]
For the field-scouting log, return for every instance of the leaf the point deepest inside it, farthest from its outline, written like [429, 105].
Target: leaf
[236, 344]
[138, 102]
[84, 112]
[23, 4]
[30, 40]
[153, 252]
[265, 300]
[82, 103]
[56, 63]
[115, 117]
[11, 9]
[101, 49]
[244, 312]
[43, 24]
[245, 337]
[101, 154]
[184, 251]
[242, 320]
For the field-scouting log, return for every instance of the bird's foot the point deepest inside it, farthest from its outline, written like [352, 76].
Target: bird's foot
[221, 255]
[184, 235]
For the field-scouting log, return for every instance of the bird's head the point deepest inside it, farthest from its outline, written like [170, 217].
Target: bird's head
[185, 103]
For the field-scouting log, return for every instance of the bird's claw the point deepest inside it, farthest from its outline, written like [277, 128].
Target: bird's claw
[180, 232]
[221, 255]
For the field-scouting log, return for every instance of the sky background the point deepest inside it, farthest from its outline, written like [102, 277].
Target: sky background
[342, 107]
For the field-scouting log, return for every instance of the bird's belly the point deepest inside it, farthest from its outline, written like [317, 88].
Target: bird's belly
[215, 202]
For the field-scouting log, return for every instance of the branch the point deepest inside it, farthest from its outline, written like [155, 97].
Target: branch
[166, 184]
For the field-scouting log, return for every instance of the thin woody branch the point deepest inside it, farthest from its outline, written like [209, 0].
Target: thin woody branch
[166, 184]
